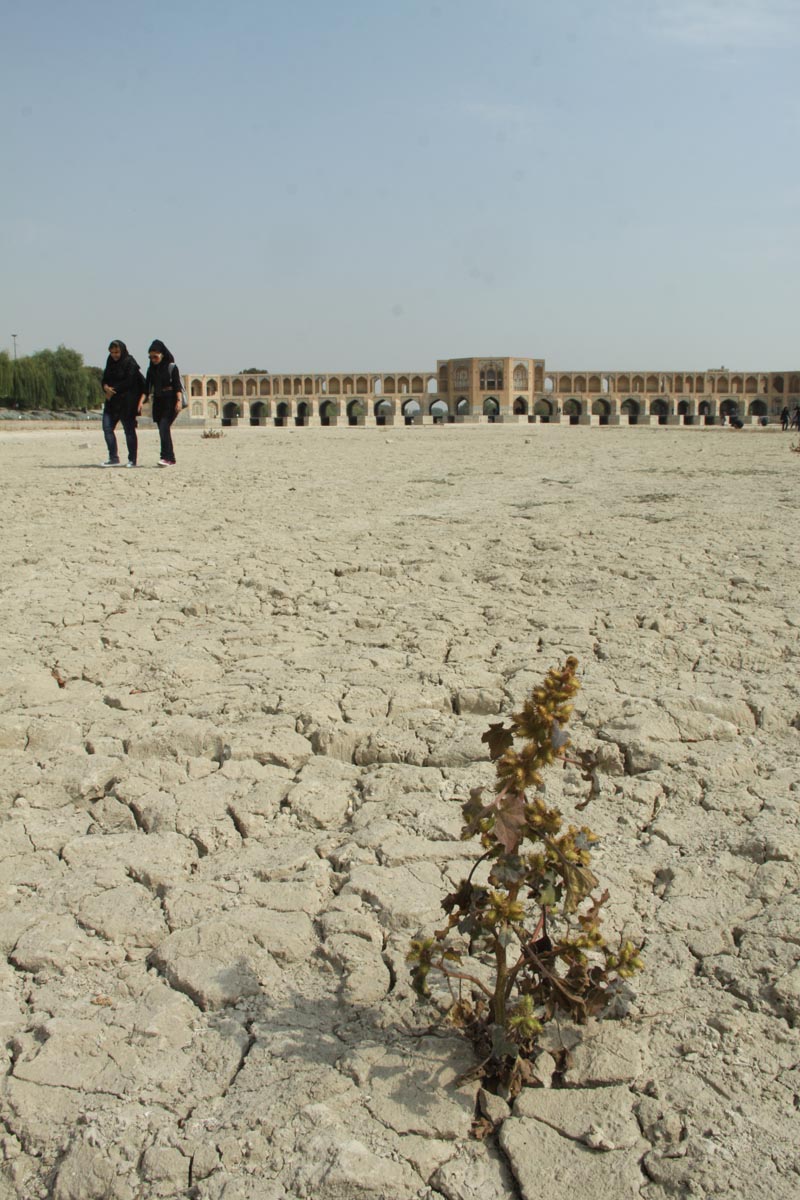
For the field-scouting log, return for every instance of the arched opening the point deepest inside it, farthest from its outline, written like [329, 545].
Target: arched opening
[197, 409]
[383, 411]
[572, 409]
[264, 389]
[729, 409]
[659, 409]
[630, 409]
[521, 378]
[197, 388]
[416, 385]
[411, 412]
[580, 383]
[230, 414]
[462, 407]
[757, 408]
[334, 386]
[520, 406]
[549, 383]
[704, 410]
[282, 413]
[777, 384]
[302, 413]
[355, 412]
[440, 412]
[432, 387]
[361, 385]
[565, 384]
[652, 384]
[389, 385]
[594, 383]
[794, 384]
[491, 409]
[751, 385]
[211, 387]
[684, 411]
[601, 409]
[238, 388]
[213, 410]
[737, 385]
[328, 412]
[623, 383]
[403, 385]
[252, 387]
[543, 409]
[258, 413]
[637, 384]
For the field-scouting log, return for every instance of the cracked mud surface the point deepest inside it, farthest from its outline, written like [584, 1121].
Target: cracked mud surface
[238, 698]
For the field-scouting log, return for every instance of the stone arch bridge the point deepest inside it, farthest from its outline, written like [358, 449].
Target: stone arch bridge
[479, 390]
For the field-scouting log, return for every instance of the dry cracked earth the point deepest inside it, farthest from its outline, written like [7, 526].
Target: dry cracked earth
[240, 701]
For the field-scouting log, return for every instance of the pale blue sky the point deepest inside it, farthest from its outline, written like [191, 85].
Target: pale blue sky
[319, 186]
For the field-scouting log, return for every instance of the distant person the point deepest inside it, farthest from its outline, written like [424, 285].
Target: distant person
[796, 418]
[164, 386]
[785, 418]
[123, 387]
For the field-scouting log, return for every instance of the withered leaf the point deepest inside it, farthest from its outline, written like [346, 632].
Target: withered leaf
[510, 820]
[498, 738]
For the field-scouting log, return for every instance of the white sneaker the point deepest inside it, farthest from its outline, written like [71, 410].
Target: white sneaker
[162, 462]
[130, 464]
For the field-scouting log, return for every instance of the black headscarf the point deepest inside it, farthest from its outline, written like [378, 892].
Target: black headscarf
[158, 347]
[159, 376]
[121, 373]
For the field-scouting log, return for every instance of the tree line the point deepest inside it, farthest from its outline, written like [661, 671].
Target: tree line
[51, 379]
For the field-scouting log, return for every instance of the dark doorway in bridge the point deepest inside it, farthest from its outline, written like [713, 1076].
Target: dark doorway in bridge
[230, 414]
[572, 409]
[659, 409]
[685, 412]
[543, 409]
[383, 411]
[281, 414]
[328, 413]
[258, 414]
[303, 412]
[355, 412]
[411, 411]
[630, 409]
[462, 407]
[520, 406]
[440, 412]
[729, 409]
[491, 409]
[601, 409]
[704, 410]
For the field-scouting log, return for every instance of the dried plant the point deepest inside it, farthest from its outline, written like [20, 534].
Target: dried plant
[532, 929]
[212, 433]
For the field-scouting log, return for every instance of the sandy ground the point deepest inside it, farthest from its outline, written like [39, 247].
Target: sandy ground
[238, 699]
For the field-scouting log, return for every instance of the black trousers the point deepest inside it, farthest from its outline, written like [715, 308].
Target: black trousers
[111, 418]
[163, 417]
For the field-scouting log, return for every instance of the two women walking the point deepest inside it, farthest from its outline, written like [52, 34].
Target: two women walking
[126, 390]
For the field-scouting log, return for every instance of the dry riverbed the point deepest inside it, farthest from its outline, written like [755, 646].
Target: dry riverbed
[238, 699]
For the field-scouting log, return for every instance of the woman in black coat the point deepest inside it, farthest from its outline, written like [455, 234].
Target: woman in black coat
[165, 388]
[123, 386]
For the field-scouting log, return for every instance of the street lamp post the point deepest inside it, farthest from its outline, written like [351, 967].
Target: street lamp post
[14, 373]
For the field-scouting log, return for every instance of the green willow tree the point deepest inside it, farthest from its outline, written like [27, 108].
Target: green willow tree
[51, 379]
